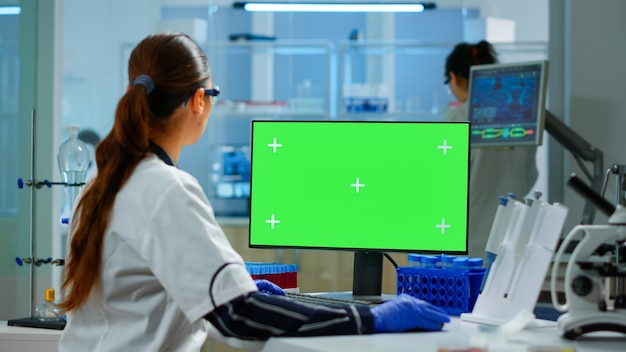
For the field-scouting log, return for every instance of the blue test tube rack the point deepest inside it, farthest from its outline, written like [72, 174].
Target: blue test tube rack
[453, 290]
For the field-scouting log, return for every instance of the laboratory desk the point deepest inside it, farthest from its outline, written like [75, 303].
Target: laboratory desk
[456, 336]
[15, 338]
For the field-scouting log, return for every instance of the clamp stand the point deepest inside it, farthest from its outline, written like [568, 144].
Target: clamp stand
[31, 258]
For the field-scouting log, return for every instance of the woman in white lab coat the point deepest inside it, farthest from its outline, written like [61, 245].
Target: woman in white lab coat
[148, 267]
[494, 172]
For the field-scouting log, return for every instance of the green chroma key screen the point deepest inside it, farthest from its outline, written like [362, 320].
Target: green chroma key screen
[385, 186]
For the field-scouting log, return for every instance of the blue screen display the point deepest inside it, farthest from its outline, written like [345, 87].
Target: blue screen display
[507, 104]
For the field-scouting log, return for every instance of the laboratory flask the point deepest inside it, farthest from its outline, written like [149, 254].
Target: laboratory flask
[73, 158]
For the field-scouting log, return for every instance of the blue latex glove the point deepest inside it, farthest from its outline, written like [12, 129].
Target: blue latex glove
[267, 286]
[408, 313]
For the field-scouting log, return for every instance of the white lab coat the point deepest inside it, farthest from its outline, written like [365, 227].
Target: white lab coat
[494, 172]
[161, 251]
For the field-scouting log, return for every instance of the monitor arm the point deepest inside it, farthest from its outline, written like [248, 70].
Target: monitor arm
[582, 151]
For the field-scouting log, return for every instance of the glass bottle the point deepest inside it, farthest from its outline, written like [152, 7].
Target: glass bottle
[73, 158]
[49, 311]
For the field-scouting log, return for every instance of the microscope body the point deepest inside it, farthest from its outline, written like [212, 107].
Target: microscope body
[595, 279]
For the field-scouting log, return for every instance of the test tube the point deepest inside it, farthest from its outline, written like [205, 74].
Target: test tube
[460, 263]
[415, 260]
[294, 276]
[475, 263]
[429, 262]
[446, 261]
[438, 258]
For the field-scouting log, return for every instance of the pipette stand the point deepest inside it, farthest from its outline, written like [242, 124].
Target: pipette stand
[516, 276]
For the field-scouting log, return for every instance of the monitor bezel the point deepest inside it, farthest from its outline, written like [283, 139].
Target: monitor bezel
[540, 110]
[356, 249]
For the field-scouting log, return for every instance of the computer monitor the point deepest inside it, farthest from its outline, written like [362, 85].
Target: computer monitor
[365, 186]
[507, 104]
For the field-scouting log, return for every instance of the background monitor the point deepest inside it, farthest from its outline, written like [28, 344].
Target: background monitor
[368, 187]
[507, 104]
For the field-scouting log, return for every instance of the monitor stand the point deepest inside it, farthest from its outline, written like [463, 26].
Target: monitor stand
[367, 280]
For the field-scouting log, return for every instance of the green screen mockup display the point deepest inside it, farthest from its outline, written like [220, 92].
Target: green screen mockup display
[364, 186]
[369, 187]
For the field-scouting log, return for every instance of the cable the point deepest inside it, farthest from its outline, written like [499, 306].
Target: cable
[393, 262]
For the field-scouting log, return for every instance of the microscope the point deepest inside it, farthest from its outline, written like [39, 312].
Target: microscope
[595, 275]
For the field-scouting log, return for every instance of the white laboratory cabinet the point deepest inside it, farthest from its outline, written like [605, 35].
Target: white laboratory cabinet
[13, 338]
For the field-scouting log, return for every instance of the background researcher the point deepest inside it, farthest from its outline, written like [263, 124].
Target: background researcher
[494, 172]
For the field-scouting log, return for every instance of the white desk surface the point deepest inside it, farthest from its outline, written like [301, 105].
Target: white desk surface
[456, 334]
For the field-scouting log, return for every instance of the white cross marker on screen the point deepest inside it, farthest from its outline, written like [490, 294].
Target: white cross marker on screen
[274, 145]
[357, 185]
[445, 147]
[272, 221]
[443, 226]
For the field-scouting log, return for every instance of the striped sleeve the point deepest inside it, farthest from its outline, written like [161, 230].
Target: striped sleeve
[259, 316]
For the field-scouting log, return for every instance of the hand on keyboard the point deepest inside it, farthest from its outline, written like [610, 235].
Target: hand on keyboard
[267, 286]
[408, 313]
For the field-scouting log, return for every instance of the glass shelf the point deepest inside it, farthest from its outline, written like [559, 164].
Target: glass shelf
[273, 77]
[403, 80]
[315, 80]
[259, 80]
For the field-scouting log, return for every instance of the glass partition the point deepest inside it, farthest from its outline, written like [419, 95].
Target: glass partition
[12, 280]
[27, 230]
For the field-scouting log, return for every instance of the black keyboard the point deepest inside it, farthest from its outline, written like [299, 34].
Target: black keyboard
[325, 300]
